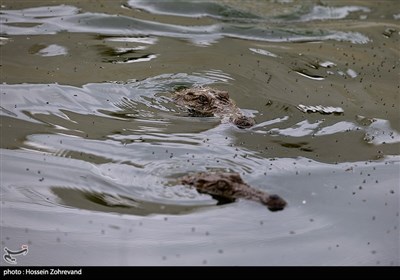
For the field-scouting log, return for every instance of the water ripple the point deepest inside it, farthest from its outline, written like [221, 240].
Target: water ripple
[67, 19]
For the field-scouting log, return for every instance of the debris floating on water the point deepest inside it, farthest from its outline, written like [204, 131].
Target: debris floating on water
[320, 109]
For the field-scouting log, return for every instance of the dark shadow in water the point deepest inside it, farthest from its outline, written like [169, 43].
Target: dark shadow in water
[299, 145]
[110, 203]
[123, 114]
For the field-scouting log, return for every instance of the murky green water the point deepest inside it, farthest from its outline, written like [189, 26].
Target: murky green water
[91, 142]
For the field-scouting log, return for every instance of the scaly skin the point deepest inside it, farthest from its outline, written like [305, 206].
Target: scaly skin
[209, 102]
[228, 187]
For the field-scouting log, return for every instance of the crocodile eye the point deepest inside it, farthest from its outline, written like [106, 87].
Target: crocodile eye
[203, 99]
[189, 96]
[222, 184]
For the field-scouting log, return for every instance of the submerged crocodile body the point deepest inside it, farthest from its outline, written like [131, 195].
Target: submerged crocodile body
[209, 102]
[227, 187]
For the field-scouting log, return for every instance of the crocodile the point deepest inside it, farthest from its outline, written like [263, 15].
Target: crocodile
[209, 102]
[226, 187]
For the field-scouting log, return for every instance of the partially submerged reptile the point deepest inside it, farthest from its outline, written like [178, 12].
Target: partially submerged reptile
[227, 187]
[223, 186]
[209, 102]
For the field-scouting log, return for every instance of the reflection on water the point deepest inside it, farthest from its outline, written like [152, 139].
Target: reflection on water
[92, 143]
[53, 19]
